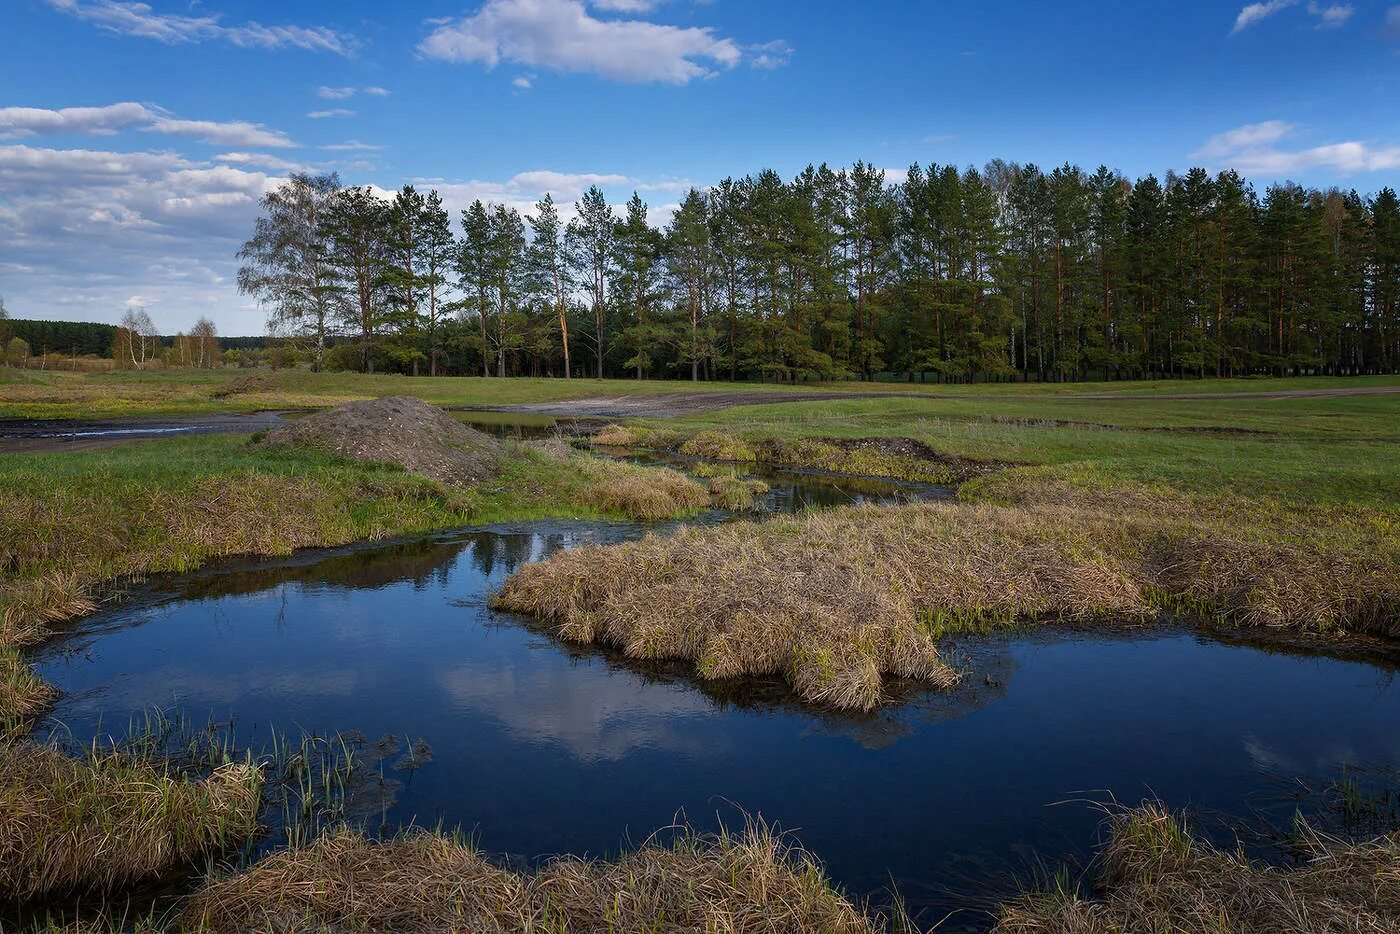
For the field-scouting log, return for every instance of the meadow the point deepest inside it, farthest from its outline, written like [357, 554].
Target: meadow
[1265, 506]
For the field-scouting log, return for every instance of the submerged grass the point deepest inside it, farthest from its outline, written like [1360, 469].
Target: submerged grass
[747, 882]
[1156, 877]
[108, 820]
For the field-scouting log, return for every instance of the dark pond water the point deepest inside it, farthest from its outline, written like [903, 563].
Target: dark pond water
[541, 749]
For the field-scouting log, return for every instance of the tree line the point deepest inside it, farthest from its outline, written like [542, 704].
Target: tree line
[1008, 272]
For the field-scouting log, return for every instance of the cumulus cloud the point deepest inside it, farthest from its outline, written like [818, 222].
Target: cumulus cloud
[1254, 149]
[769, 55]
[91, 228]
[140, 19]
[35, 121]
[564, 36]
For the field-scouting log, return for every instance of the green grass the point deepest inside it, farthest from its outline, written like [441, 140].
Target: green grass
[56, 394]
[1335, 450]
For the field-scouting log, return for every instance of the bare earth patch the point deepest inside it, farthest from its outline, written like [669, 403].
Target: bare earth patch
[401, 430]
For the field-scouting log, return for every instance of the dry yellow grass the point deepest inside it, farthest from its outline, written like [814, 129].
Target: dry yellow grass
[735, 493]
[22, 693]
[833, 600]
[750, 882]
[645, 493]
[616, 436]
[94, 824]
[1158, 880]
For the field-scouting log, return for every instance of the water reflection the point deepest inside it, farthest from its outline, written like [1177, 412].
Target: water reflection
[544, 748]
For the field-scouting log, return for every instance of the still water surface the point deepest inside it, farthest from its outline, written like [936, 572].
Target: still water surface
[541, 748]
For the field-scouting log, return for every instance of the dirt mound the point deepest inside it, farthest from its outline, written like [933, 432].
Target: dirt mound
[399, 430]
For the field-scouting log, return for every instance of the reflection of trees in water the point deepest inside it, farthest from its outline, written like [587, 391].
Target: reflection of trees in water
[420, 562]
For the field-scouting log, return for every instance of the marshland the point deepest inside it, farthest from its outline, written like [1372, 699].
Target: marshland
[659, 467]
[909, 659]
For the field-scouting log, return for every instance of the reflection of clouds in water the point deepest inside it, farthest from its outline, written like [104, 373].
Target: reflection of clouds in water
[594, 714]
[196, 690]
[1324, 760]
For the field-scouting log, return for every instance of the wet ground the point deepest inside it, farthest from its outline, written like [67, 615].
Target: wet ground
[19, 435]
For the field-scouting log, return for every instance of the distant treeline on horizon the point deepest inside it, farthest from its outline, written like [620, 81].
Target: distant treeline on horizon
[94, 339]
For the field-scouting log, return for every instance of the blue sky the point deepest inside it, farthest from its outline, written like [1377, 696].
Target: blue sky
[136, 137]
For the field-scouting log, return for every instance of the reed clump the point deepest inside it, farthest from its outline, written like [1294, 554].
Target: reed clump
[1155, 877]
[107, 820]
[830, 600]
[23, 694]
[734, 493]
[748, 882]
[616, 436]
[717, 446]
[835, 600]
[645, 493]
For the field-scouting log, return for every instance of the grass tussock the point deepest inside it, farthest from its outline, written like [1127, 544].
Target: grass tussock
[735, 493]
[616, 436]
[718, 446]
[1156, 878]
[749, 882]
[108, 820]
[23, 694]
[832, 601]
[644, 493]
[835, 600]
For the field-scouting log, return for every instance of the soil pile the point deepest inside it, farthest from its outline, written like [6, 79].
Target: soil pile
[419, 437]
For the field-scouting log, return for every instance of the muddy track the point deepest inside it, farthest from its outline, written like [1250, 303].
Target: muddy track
[24, 435]
[672, 404]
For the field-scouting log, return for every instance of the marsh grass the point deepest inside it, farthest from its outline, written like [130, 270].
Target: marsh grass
[108, 820]
[891, 458]
[23, 694]
[1156, 877]
[645, 493]
[837, 600]
[734, 493]
[751, 881]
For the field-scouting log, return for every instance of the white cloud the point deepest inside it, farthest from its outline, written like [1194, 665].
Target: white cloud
[93, 228]
[104, 121]
[1332, 16]
[33, 121]
[1329, 16]
[562, 35]
[626, 6]
[1258, 12]
[261, 161]
[333, 112]
[139, 19]
[233, 133]
[340, 94]
[1249, 136]
[1253, 150]
[353, 145]
[523, 83]
[769, 55]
